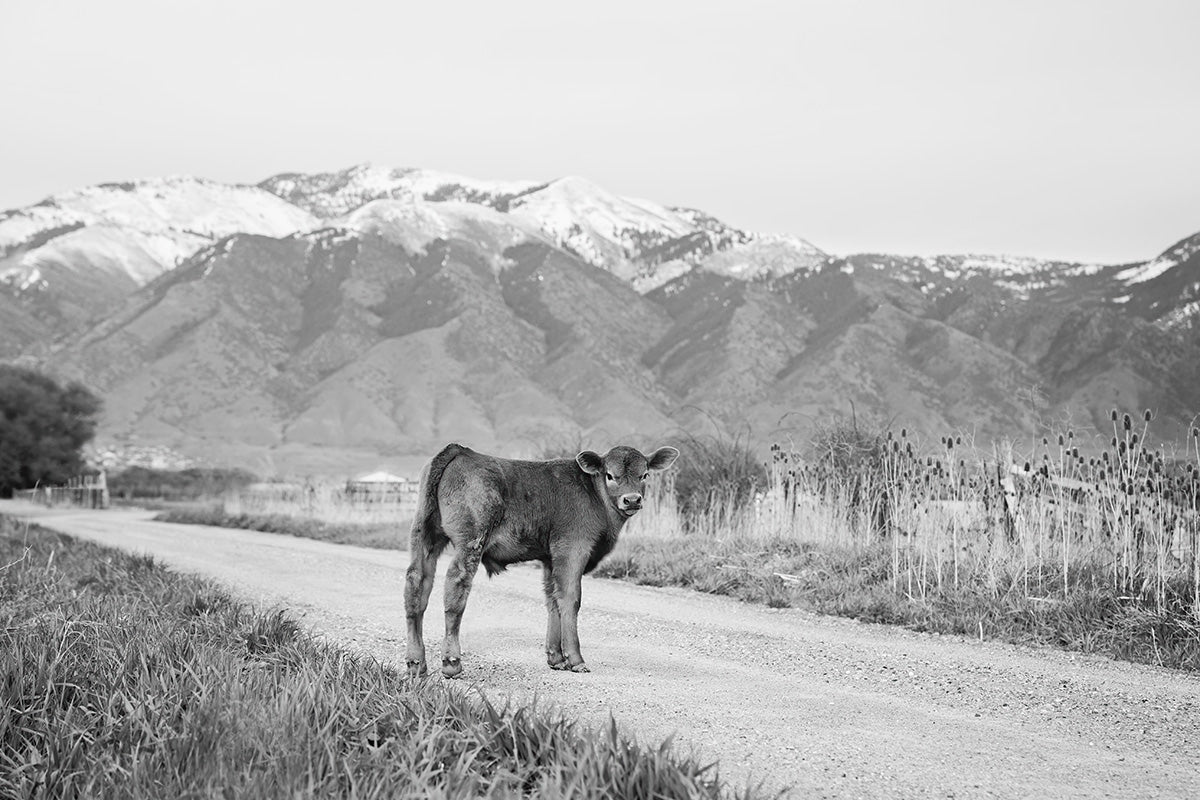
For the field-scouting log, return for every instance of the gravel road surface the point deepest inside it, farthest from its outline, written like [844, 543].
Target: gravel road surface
[825, 706]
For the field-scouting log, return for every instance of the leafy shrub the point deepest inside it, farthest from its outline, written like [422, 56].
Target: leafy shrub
[715, 466]
[185, 484]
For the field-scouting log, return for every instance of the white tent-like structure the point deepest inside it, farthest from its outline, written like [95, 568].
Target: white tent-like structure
[380, 477]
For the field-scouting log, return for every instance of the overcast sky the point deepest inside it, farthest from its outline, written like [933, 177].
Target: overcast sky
[1048, 128]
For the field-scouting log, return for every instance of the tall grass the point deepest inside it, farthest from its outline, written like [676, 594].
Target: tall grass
[1097, 552]
[121, 679]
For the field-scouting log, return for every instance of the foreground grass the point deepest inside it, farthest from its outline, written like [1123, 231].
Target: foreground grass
[121, 679]
[380, 535]
[859, 583]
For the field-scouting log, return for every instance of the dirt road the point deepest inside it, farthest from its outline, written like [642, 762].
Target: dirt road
[830, 707]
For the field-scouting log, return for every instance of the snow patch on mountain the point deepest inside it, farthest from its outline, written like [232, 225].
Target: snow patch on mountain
[601, 228]
[651, 278]
[1146, 272]
[1180, 253]
[141, 256]
[768, 256]
[1141, 273]
[336, 194]
[953, 266]
[140, 229]
[413, 224]
[193, 205]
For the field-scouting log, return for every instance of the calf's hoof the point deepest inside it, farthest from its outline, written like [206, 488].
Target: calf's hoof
[451, 667]
[580, 667]
[416, 669]
[560, 665]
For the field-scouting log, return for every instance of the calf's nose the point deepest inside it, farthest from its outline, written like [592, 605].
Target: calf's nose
[628, 500]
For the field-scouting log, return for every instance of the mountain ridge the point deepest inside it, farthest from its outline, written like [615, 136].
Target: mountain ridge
[512, 315]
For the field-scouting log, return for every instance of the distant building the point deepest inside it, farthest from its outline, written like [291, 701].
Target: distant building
[382, 487]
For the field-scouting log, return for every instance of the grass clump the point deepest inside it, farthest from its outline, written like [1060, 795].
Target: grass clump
[121, 679]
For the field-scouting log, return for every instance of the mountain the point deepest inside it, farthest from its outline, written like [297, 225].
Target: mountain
[365, 338]
[75, 256]
[323, 323]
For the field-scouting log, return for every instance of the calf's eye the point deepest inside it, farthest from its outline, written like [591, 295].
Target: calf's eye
[609, 476]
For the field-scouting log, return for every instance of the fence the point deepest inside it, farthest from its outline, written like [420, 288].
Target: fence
[353, 502]
[85, 491]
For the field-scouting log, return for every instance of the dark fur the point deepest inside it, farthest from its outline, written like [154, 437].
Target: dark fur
[565, 513]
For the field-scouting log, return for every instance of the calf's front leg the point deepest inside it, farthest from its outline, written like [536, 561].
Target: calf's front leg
[568, 582]
[554, 654]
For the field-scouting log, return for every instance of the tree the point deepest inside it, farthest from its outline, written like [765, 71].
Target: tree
[43, 427]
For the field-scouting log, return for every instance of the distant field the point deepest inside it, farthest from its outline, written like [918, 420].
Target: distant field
[119, 678]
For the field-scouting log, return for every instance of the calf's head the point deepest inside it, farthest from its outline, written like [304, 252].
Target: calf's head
[622, 473]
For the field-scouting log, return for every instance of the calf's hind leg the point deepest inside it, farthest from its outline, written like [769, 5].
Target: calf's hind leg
[554, 654]
[458, 586]
[418, 584]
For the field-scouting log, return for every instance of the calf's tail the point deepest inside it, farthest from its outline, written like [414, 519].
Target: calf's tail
[427, 523]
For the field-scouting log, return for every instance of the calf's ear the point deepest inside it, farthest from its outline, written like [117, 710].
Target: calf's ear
[590, 462]
[662, 458]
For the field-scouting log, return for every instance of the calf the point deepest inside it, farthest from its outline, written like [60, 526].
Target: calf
[565, 513]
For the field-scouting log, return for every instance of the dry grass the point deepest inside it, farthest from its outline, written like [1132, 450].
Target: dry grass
[1092, 553]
